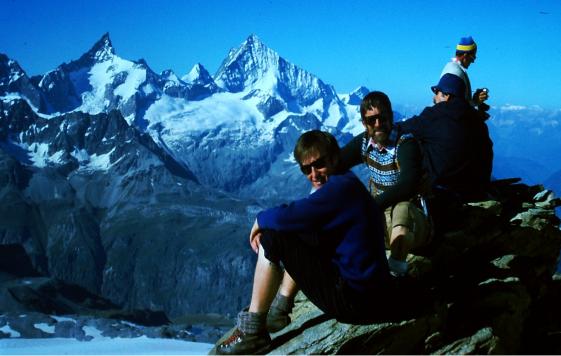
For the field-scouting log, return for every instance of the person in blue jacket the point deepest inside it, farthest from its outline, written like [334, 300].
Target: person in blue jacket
[458, 151]
[331, 245]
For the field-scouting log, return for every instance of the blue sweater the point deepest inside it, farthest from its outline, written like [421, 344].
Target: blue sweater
[348, 224]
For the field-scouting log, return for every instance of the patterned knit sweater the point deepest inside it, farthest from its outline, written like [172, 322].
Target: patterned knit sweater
[395, 172]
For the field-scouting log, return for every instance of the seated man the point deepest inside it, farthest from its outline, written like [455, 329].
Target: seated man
[330, 244]
[458, 151]
[396, 177]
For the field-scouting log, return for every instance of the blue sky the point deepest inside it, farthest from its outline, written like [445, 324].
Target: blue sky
[397, 48]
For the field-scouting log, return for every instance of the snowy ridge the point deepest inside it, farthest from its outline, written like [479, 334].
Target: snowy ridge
[100, 81]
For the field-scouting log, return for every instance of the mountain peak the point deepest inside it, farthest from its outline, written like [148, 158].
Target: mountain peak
[361, 90]
[246, 64]
[254, 45]
[102, 50]
[253, 38]
[198, 75]
[257, 69]
[355, 97]
[9, 71]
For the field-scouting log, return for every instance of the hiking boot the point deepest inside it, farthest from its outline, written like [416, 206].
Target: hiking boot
[243, 343]
[277, 320]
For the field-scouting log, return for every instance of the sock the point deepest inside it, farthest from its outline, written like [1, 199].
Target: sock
[397, 267]
[252, 323]
[282, 304]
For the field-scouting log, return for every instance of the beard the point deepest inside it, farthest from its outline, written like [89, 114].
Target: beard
[380, 133]
[379, 136]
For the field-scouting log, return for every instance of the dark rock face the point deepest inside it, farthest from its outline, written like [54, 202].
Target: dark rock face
[13, 79]
[36, 306]
[484, 286]
[59, 91]
[108, 209]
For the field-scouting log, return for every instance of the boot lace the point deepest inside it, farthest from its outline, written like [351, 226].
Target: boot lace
[234, 338]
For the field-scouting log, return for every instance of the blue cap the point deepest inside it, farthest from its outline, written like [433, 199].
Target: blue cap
[450, 84]
[467, 44]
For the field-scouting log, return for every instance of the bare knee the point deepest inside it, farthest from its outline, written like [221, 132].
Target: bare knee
[400, 242]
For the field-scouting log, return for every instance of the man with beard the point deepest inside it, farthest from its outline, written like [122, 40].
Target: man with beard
[396, 178]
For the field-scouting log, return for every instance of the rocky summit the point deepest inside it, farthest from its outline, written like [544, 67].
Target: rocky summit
[485, 285]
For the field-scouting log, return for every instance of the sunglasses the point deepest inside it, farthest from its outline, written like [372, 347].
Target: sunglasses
[317, 164]
[371, 120]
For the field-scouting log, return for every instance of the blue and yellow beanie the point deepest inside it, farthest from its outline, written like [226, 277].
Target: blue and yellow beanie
[467, 44]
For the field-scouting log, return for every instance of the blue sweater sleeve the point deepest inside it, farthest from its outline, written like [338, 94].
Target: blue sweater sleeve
[308, 214]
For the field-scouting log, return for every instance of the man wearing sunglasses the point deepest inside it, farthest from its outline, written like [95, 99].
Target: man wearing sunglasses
[466, 53]
[394, 162]
[330, 244]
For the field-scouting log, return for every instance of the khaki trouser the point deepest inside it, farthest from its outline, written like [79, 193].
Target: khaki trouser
[407, 214]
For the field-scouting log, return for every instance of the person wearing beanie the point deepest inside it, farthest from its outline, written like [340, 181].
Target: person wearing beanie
[466, 53]
[330, 244]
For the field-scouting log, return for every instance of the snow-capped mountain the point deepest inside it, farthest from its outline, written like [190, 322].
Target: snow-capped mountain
[200, 82]
[230, 131]
[257, 70]
[355, 97]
